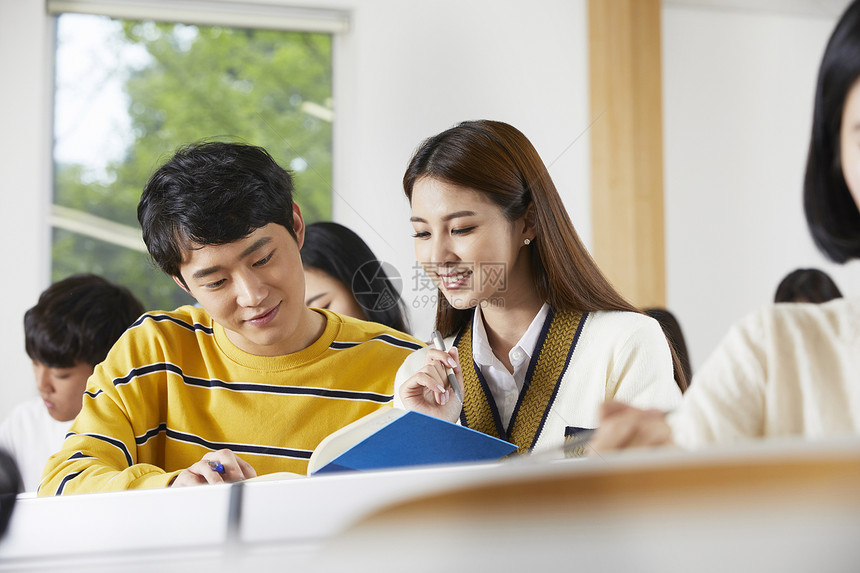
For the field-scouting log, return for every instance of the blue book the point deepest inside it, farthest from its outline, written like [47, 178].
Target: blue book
[393, 438]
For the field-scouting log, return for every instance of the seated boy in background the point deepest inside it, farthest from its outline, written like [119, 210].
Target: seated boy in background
[249, 383]
[68, 332]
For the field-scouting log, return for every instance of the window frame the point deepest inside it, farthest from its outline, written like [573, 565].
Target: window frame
[271, 15]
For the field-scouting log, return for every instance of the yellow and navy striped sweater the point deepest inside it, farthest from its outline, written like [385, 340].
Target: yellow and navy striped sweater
[174, 388]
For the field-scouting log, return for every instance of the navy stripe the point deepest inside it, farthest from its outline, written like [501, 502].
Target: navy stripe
[78, 456]
[573, 431]
[66, 480]
[255, 387]
[386, 338]
[244, 448]
[573, 344]
[112, 441]
[149, 434]
[485, 388]
[494, 409]
[162, 317]
[394, 341]
[91, 395]
[148, 369]
[290, 390]
[530, 370]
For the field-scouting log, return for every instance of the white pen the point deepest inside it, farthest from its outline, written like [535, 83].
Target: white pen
[439, 343]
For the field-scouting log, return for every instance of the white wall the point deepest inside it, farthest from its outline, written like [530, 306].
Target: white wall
[25, 65]
[738, 94]
[412, 69]
[404, 71]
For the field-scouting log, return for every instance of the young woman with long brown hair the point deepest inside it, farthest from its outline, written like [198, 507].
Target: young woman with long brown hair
[543, 335]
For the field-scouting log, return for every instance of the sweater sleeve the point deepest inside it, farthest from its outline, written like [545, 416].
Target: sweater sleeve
[410, 366]
[726, 400]
[641, 371]
[100, 451]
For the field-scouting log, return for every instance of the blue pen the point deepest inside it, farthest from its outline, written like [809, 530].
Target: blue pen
[216, 467]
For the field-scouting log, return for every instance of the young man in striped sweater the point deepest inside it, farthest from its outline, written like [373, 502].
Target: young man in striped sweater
[251, 381]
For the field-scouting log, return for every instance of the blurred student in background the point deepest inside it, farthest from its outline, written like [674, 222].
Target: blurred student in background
[787, 370]
[672, 330]
[806, 285]
[69, 331]
[342, 274]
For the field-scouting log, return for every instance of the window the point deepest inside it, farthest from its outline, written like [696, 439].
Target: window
[129, 92]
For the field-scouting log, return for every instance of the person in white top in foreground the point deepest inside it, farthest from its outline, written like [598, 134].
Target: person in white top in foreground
[788, 369]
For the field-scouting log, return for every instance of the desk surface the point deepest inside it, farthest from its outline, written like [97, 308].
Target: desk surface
[788, 507]
[647, 510]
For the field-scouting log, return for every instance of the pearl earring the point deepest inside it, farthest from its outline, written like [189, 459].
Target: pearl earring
[527, 241]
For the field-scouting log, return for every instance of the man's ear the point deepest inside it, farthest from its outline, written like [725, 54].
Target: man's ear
[182, 285]
[298, 225]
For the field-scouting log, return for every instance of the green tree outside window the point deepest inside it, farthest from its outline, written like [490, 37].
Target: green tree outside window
[264, 87]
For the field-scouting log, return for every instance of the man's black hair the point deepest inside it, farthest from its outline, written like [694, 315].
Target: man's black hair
[212, 193]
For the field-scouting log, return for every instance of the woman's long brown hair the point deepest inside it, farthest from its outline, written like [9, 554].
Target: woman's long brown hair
[498, 161]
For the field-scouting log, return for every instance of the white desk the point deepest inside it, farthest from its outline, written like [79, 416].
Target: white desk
[744, 509]
[165, 529]
[105, 531]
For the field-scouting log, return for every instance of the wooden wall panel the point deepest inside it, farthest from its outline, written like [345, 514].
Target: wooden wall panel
[627, 147]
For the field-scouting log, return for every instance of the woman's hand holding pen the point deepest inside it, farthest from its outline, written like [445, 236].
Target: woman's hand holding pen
[428, 390]
[222, 466]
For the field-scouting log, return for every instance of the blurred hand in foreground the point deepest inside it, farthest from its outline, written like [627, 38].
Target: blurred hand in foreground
[622, 426]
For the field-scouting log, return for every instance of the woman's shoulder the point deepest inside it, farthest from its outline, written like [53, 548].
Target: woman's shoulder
[620, 329]
[620, 319]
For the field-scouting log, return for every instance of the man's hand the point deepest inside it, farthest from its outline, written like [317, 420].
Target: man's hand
[622, 426]
[222, 466]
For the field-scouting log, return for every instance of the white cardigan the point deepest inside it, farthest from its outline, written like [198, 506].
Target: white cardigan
[786, 370]
[619, 356]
